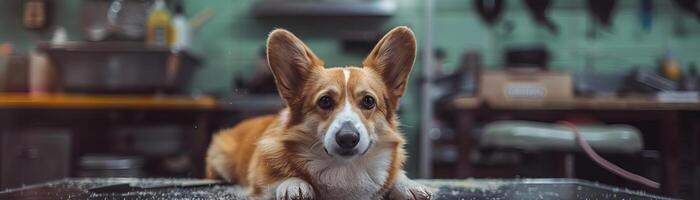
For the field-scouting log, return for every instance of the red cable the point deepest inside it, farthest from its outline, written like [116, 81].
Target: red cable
[604, 163]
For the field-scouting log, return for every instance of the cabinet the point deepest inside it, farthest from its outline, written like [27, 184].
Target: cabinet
[35, 155]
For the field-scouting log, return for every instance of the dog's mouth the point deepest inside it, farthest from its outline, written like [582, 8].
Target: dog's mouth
[348, 153]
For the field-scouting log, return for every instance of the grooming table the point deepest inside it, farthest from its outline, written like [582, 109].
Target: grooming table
[128, 188]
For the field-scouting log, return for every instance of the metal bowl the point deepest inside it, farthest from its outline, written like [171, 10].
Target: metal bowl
[118, 67]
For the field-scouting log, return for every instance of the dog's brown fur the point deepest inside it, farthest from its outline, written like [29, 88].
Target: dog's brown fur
[261, 152]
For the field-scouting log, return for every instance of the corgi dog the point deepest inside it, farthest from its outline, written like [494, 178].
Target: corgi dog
[338, 136]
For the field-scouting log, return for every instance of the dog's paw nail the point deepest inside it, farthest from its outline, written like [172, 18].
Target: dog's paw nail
[293, 189]
[410, 191]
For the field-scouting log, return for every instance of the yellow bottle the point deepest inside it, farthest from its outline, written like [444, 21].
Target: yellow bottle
[159, 29]
[671, 70]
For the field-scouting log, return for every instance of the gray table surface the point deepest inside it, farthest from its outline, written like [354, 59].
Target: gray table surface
[444, 189]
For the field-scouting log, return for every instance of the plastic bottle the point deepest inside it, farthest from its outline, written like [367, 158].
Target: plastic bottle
[159, 27]
[181, 27]
[670, 68]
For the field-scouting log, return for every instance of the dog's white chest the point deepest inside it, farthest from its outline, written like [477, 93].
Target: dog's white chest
[360, 179]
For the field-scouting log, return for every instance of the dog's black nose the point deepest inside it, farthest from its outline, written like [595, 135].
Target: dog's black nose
[347, 137]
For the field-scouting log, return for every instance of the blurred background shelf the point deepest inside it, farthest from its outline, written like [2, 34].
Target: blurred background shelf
[351, 8]
[590, 103]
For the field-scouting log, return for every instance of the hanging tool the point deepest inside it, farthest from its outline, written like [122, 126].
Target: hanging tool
[201, 18]
[538, 10]
[601, 11]
[646, 11]
[689, 6]
[489, 10]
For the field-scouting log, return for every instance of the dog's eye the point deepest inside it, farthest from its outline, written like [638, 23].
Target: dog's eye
[325, 102]
[368, 102]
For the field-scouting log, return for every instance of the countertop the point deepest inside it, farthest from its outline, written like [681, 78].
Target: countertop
[576, 103]
[18, 100]
[445, 189]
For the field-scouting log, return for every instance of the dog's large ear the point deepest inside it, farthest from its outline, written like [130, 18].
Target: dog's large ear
[291, 62]
[393, 58]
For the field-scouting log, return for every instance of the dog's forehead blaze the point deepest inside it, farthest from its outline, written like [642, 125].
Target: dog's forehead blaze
[360, 81]
[364, 80]
[347, 86]
[328, 82]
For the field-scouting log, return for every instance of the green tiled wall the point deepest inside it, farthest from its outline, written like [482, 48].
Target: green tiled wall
[231, 40]
[458, 28]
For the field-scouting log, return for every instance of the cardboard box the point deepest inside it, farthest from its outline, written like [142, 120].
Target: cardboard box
[500, 85]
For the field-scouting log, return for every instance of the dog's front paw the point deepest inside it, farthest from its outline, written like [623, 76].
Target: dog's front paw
[293, 189]
[406, 189]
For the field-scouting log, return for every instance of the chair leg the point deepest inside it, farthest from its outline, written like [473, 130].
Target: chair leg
[569, 165]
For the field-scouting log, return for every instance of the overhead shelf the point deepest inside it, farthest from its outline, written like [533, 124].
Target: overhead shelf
[321, 8]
